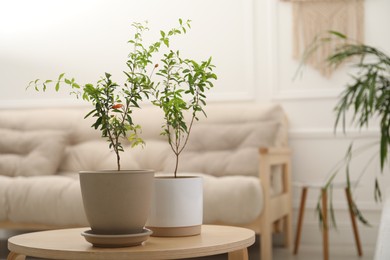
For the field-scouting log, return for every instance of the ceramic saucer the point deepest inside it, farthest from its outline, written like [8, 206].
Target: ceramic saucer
[125, 240]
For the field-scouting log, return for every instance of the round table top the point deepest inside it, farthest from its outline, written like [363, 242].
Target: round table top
[69, 244]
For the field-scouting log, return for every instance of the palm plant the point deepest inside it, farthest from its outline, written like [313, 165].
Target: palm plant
[367, 96]
[369, 93]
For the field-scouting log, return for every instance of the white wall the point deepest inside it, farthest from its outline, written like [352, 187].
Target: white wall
[250, 41]
[87, 38]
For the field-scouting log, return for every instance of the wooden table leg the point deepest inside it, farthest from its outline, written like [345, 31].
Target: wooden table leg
[241, 254]
[300, 219]
[15, 256]
[353, 221]
[325, 238]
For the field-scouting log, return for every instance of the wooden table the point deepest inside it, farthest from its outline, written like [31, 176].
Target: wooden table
[69, 244]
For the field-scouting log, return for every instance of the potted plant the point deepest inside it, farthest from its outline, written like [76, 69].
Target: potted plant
[117, 202]
[177, 208]
[367, 96]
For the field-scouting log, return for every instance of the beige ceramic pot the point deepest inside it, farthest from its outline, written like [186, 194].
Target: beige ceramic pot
[117, 202]
[177, 207]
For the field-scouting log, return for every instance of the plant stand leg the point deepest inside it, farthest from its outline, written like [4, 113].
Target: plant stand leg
[300, 219]
[15, 256]
[353, 221]
[325, 238]
[241, 254]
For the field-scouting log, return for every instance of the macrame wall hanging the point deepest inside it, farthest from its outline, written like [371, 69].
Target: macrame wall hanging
[312, 18]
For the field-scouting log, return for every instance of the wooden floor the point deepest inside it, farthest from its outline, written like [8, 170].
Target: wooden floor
[305, 253]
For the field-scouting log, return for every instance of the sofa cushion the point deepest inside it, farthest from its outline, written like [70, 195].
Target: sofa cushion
[230, 199]
[30, 153]
[70, 120]
[95, 155]
[5, 183]
[216, 137]
[218, 163]
[222, 149]
[58, 204]
[23, 199]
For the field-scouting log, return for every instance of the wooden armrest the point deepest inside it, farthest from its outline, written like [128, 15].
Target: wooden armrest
[274, 156]
[276, 207]
[274, 150]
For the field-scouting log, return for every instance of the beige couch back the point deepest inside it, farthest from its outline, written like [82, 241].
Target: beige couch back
[224, 143]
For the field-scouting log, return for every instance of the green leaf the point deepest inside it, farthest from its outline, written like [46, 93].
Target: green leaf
[338, 34]
[383, 149]
[377, 191]
[90, 113]
[61, 76]
[98, 122]
[166, 42]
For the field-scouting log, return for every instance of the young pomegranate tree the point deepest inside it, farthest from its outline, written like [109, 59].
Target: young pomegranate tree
[113, 103]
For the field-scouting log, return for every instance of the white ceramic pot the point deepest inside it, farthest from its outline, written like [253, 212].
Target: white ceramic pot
[117, 202]
[177, 206]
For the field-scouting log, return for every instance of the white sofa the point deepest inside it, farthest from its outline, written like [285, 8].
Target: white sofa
[41, 151]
